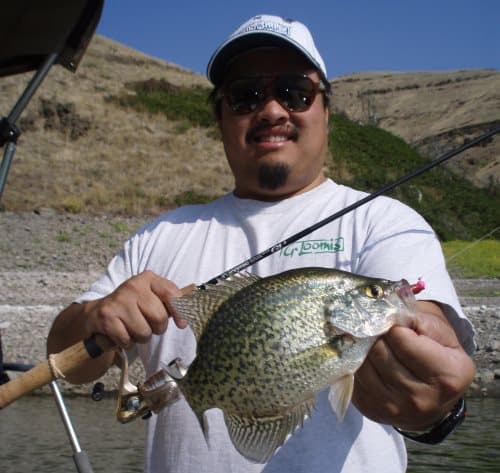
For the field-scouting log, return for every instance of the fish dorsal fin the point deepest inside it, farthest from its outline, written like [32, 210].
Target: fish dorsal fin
[238, 280]
[198, 307]
[258, 438]
[340, 395]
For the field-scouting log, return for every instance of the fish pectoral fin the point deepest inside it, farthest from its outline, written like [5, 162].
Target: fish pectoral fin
[203, 423]
[202, 419]
[340, 395]
[257, 438]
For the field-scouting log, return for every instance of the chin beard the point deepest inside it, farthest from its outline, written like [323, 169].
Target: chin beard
[273, 177]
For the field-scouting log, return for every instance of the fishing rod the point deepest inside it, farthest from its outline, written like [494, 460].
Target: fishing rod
[387, 188]
[69, 360]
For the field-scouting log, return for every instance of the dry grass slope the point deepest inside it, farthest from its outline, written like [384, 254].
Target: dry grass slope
[77, 150]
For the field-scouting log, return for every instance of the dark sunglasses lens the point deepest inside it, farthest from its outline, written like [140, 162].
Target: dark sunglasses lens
[296, 93]
[244, 95]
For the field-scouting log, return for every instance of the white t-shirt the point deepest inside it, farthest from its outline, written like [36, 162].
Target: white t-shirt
[193, 244]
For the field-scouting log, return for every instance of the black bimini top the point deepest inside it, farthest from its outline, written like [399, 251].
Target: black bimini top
[31, 30]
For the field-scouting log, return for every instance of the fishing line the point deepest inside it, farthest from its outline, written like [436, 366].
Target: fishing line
[387, 188]
[470, 245]
[463, 250]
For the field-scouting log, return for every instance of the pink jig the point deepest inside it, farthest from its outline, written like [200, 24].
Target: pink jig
[419, 286]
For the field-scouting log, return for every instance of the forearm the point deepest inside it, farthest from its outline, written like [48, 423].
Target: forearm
[71, 327]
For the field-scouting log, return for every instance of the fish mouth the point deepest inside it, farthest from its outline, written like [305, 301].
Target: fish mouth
[403, 299]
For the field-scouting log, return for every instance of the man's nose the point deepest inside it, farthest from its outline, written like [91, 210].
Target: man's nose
[272, 111]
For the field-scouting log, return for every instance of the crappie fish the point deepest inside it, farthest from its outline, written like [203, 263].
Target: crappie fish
[267, 346]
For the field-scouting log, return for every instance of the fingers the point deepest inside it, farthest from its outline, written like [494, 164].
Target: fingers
[388, 392]
[412, 377]
[383, 367]
[135, 310]
[431, 351]
[433, 324]
[383, 386]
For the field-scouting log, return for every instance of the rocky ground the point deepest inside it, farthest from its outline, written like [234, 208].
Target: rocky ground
[47, 259]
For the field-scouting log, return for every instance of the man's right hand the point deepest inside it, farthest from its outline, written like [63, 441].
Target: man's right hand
[137, 309]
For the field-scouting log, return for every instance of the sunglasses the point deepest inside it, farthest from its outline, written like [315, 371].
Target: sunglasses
[294, 92]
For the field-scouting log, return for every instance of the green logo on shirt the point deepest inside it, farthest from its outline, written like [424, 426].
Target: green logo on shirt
[308, 247]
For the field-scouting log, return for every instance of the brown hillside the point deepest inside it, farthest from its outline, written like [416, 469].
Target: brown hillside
[433, 111]
[80, 152]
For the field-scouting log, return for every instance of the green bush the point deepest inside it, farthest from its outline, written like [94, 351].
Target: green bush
[189, 104]
[368, 158]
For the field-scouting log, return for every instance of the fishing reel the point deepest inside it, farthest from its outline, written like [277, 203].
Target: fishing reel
[152, 395]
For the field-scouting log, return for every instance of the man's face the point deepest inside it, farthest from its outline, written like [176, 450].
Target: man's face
[273, 152]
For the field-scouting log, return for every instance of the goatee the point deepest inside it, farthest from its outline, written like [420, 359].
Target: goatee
[273, 177]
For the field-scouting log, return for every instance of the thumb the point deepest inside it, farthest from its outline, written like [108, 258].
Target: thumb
[436, 327]
[166, 290]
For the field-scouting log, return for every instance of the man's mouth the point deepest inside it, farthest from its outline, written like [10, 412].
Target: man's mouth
[271, 138]
[267, 135]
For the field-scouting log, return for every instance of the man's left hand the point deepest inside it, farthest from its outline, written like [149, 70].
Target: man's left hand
[413, 377]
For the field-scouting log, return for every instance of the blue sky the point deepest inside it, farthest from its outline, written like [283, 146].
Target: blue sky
[352, 35]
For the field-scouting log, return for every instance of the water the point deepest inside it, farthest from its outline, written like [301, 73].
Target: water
[32, 438]
[473, 448]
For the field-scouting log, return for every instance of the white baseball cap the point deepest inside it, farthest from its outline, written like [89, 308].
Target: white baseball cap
[262, 31]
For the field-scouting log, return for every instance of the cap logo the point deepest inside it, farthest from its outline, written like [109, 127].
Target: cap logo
[271, 26]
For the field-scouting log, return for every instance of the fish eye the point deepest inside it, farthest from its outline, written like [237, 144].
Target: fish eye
[374, 291]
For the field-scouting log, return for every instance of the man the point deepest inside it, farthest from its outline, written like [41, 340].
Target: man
[271, 100]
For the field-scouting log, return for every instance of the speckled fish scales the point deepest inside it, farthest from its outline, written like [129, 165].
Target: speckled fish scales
[267, 346]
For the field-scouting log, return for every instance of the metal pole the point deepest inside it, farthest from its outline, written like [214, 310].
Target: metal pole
[11, 132]
[32, 87]
[5, 166]
[80, 457]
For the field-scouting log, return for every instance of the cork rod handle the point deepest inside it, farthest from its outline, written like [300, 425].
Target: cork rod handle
[56, 366]
[59, 365]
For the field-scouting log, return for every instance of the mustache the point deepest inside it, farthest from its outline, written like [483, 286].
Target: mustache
[256, 130]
